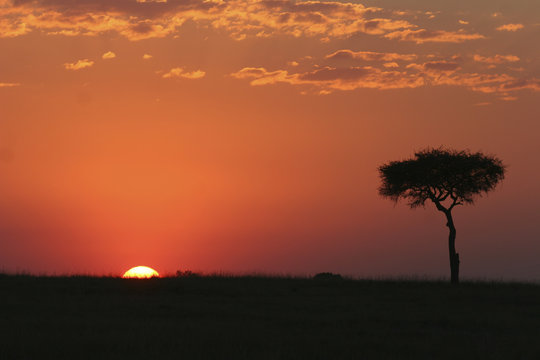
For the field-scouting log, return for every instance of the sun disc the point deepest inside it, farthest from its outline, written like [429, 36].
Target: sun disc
[140, 272]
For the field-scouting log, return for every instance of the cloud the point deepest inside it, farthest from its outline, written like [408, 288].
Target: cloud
[486, 83]
[328, 73]
[261, 76]
[422, 35]
[138, 20]
[147, 56]
[108, 55]
[520, 84]
[9, 84]
[510, 27]
[463, 22]
[415, 66]
[180, 73]
[80, 64]
[140, 9]
[441, 66]
[328, 79]
[134, 20]
[431, 14]
[498, 84]
[497, 59]
[324, 20]
[347, 54]
[148, 29]
[12, 27]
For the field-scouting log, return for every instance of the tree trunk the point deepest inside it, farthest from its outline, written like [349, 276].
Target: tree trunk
[454, 256]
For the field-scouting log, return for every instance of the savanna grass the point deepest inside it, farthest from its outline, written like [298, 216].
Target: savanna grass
[257, 317]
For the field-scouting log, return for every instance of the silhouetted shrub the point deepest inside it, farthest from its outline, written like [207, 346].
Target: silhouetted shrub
[327, 276]
[187, 274]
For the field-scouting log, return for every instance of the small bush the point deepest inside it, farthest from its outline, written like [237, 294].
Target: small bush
[327, 276]
[187, 274]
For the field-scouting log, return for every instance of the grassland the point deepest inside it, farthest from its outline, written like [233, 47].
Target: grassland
[265, 318]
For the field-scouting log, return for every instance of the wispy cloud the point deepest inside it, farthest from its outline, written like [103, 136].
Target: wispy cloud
[432, 14]
[80, 64]
[328, 79]
[138, 20]
[520, 84]
[422, 35]
[383, 75]
[446, 66]
[12, 26]
[108, 55]
[181, 73]
[496, 59]
[347, 54]
[510, 27]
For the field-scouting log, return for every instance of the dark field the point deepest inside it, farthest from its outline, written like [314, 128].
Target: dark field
[265, 318]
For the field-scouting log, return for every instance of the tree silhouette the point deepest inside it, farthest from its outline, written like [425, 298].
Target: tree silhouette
[446, 177]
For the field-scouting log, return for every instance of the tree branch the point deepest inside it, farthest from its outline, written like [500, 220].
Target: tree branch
[439, 206]
[454, 203]
[442, 198]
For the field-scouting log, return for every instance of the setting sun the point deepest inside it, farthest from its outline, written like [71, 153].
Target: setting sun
[140, 272]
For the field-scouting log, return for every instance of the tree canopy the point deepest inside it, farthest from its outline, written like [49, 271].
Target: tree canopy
[440, 174]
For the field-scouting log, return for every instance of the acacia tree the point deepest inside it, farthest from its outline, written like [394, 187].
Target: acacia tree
[448, 178]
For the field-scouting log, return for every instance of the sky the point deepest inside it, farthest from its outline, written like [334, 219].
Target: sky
[245, 136]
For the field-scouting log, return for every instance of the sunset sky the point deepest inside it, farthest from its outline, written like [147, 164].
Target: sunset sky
[245, 136]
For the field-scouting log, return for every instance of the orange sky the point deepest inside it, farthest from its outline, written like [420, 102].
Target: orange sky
[245, 136]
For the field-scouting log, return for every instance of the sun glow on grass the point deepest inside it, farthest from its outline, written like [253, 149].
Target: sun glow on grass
[140, 272]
